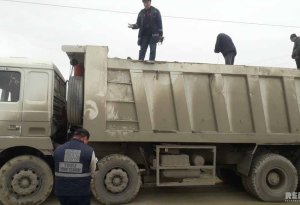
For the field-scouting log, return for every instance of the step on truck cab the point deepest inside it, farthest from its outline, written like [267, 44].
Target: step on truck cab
[32, 107]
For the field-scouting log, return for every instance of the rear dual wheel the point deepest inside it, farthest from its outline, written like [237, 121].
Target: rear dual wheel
[270, 177]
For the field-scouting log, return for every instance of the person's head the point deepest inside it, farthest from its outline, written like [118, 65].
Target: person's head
[82, 135]
[293, 37]
[147, 3]
[71, 131]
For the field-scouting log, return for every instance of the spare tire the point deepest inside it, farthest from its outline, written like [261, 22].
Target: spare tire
[75, 100]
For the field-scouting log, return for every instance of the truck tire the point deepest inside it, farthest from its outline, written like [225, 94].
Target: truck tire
[271, 176]
[117, 180]
[25, 180]
[245, 182]
[75, 100]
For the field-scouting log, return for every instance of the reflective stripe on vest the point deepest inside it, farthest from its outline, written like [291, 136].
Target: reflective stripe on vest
[69, 175]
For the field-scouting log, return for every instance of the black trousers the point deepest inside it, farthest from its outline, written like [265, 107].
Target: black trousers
[145, 42]
[298, 63]
[229, 58]
[74, 200]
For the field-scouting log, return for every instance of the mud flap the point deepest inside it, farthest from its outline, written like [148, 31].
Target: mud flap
[244, 166]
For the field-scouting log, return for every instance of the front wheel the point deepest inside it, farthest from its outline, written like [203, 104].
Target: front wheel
[25, 180]
[117, 181]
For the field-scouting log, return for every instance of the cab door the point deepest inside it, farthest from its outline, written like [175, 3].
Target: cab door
[11, 95]
[37, 103]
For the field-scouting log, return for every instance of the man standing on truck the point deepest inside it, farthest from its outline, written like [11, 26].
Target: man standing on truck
[150, 28]
[75, 163]
[296, 50]
[225, 45]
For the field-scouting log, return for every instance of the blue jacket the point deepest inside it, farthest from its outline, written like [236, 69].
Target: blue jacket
[156, 22]
[72, 169]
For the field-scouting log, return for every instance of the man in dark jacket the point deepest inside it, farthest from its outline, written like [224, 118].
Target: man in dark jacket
[150, 28]
[225, 45]
[296, 50]
[75, 163]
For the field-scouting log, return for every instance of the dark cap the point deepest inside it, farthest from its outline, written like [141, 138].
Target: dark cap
[146, 0]
[293, 36]
[82, 132]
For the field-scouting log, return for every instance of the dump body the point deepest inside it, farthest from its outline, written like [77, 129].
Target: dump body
[127, 100]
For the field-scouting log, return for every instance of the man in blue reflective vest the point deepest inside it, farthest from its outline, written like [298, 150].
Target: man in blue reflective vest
[75, 163]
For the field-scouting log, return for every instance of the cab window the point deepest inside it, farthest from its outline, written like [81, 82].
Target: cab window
[9, 86]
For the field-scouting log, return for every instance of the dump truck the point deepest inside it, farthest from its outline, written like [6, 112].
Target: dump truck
[165, 123]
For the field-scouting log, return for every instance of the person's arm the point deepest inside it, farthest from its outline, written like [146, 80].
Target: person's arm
[217, 46]
[138, 23]
[159, 24]
[296, 50]
[93, 164]
[139, 20]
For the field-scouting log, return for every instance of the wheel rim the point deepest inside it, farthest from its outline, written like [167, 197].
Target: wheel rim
[25, 182]
[275, 178]
[116, 180]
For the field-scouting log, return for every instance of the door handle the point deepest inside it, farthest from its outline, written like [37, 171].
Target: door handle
[14, 127]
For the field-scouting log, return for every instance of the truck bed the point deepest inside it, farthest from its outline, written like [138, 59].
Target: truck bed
[136, 101]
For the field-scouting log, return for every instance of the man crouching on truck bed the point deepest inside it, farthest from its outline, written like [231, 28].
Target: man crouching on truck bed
[75, 163]
[225, 45]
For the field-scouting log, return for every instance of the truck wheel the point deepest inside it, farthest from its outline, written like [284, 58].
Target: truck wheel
[25, 180]
[245, 182]
[117, 181]
[271, 176]
[75, 100]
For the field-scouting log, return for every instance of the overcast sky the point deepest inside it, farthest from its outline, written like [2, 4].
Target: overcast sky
[40, 31]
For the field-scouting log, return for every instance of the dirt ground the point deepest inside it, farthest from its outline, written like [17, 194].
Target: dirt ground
[219, 194]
